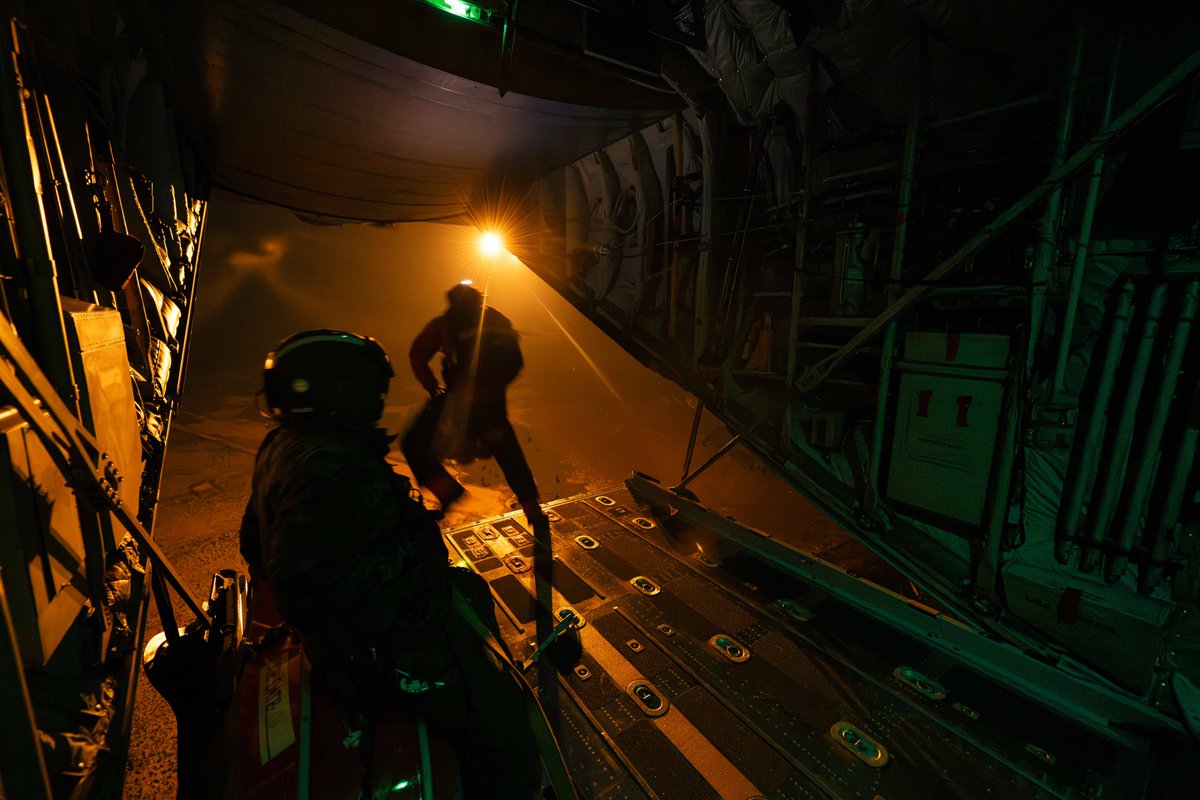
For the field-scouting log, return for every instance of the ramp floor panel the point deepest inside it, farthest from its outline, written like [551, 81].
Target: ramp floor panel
[664, 768]
[692, 682]
[1006, 725]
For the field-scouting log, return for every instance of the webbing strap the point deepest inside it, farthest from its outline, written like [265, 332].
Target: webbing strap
[552, 758]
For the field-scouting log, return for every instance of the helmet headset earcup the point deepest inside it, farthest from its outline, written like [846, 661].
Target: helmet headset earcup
[326, 375]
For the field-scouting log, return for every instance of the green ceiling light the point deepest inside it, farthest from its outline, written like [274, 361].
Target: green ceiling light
[461, 8]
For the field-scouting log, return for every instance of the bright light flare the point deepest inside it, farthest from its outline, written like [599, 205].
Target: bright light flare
[490, 244]
[579, 348]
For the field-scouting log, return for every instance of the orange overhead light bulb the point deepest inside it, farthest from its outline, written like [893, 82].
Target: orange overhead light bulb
[491, 244]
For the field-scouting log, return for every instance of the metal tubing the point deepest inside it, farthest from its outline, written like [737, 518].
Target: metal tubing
[50, 179]
[1090, 431]
[62, 165]
[793, 340]
[797, 289]
[1163, 543]
[425, 776]
[801, 264]
[129, 670]
[674, 193]
[691, 447]
[92, 534]
[987, 573]
[702, 313]
[1043, 256]
[713, 458]
[1145, 455]
[25, 194]
[177, 380]
[166, 611]
[733, 266]
[21, 761]
[508, 45]
[75, 273]
[304, 750]
[84, 278]
[1101, 141]
[1104, 498]
[875, 169]
[543, 569]
[116, 184]
[908, 171]
[1032, 100]
[132, 294]
[1084, 242]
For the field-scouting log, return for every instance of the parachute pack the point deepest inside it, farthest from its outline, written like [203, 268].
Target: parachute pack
[500, 357]
[498, 361]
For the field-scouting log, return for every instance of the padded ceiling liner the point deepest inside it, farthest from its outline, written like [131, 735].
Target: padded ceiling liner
[302, 115]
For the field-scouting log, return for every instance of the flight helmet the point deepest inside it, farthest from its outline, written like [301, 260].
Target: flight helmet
[466, 304]
[464, 296]
[327, 375]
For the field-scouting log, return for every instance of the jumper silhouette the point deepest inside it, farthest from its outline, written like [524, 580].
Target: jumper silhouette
[467, 413]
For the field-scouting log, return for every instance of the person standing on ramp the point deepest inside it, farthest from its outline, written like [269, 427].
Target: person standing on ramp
[467, 414]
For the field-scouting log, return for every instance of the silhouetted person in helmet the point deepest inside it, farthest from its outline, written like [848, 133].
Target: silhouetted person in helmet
[358, 568]
[467, 414]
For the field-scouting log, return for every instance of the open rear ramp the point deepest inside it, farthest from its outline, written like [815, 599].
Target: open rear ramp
[706, 672]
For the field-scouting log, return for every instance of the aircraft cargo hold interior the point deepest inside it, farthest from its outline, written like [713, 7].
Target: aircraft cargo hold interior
[801, 399]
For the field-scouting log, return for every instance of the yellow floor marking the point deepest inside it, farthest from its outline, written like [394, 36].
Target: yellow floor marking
[725, 778]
